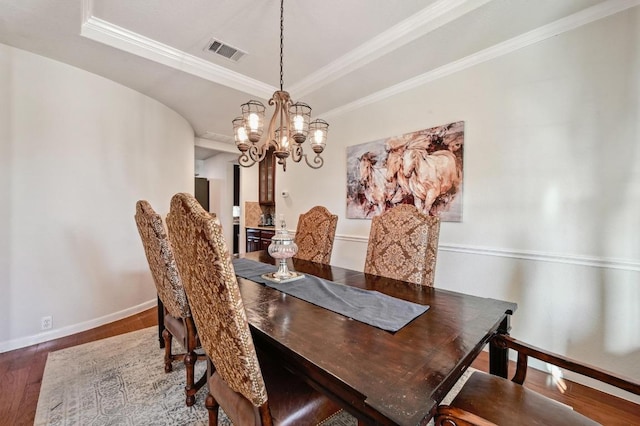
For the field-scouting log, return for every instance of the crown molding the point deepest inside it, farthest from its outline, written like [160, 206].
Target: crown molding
[86, 11]
[560, 26]
[218, 137]
[216, 145]
[428, 19]
[120, 38]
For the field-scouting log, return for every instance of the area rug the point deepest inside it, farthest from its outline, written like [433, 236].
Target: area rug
[121, 381]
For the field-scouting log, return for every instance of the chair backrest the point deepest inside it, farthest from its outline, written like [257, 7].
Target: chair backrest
[403, 244]
[314, 235]
[161, 260]
[212, 288]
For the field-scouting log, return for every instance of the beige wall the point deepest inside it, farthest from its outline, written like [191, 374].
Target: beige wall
[551, 186]
[79, 151]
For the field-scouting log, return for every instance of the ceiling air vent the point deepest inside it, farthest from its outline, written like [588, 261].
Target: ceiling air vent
[219, 48]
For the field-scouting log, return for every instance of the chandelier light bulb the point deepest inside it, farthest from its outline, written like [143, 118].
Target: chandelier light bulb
[298, 123]
[242, 134]
[254, 122]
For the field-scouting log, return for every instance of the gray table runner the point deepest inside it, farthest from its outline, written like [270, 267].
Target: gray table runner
[369, 307]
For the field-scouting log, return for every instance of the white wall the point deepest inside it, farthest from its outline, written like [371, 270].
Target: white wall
[248, 192]
[76, 152]
[551, 186]
[219, 171]
[5, 189]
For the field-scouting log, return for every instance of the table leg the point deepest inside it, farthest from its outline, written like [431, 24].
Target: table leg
[160, 322]
[499, 356]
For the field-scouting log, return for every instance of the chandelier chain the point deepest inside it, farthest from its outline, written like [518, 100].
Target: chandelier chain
[281, 43]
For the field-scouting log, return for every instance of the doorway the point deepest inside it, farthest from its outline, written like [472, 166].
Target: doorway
[202, 192]
[236, 208]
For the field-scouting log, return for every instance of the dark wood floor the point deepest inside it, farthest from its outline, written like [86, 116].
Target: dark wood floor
[21, 374]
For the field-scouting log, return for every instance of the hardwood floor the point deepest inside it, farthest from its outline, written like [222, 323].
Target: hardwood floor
[599, 406]
[21, 375]
[21, 370]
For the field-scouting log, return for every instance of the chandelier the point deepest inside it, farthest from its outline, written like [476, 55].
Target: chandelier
[288, 129]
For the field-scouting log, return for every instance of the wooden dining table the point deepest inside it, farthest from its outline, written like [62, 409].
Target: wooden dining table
[380, 377]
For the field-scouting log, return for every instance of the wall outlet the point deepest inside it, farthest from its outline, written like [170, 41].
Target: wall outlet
[46, 323]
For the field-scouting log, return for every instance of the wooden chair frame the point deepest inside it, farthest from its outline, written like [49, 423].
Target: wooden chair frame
[167, 280]
[452, 416]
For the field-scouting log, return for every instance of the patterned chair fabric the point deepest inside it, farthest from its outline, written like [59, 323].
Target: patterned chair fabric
[314, 235]
[161, 261]
[177, 316]
[210, 282]
[236, 383]
[403, 244]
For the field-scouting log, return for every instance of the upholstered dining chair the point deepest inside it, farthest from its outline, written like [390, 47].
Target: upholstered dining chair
[178, 321]
[314, 235]
[252, 389]
[403, 244]
[490, 400]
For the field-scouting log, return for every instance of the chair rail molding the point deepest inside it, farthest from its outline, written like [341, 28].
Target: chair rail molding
[538, 256]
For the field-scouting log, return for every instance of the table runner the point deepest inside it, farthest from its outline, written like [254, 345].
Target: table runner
[370, 307]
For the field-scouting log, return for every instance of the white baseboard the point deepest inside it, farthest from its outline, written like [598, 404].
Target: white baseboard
[75, 328]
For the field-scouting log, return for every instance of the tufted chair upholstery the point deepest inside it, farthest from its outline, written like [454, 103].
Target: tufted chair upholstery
[237, 384]
[314, 235]
[178, 322]
[403, 244]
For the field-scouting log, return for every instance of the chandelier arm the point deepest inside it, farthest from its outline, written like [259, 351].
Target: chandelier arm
[285, 123]
[258, 152]
[245, 161]
[271, 131]
[296, 153]
[318, 161]
[283, 162]
[281, 101]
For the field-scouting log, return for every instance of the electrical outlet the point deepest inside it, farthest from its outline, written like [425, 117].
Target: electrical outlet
[46, 323]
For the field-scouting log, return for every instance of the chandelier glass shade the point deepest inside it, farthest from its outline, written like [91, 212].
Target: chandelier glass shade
[289, 127]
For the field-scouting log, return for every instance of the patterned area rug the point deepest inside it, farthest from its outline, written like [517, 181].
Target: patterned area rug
[121, 381]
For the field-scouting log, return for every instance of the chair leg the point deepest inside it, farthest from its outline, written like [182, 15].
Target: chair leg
[212, 406]
[189, 363]
[167, 351]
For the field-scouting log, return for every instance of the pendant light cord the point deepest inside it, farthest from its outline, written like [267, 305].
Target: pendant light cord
[281, 42]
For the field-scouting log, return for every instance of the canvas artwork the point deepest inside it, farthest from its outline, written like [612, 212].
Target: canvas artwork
[423, 168]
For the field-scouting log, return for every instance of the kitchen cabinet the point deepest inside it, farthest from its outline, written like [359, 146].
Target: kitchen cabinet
[259, 238]
[267, 179]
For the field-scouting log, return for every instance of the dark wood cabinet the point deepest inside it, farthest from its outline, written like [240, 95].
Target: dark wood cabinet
[253, 239]
[267, 179]
[259, 239]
